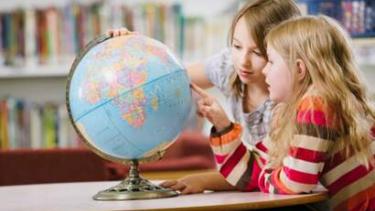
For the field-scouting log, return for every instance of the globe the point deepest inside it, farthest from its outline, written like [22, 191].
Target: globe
[128, 97]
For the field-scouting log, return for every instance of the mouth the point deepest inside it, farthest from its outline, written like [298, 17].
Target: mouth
[245, 73]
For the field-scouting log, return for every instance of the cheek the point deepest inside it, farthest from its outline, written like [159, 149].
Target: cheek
[279, 85]
[235, 56]
[258, 63]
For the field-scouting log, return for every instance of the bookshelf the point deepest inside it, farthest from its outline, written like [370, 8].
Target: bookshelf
[202, 30]
[189, 29]
[44, 71]
[357, 17]
[37, 67]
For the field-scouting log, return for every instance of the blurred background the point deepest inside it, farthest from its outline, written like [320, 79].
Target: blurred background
[40, 38]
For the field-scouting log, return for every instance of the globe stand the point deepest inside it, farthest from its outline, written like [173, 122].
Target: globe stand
[134, 187]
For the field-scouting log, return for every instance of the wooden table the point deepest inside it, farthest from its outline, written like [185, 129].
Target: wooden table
[78, 196]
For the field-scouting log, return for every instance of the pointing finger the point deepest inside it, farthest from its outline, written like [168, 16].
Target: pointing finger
[198, 90]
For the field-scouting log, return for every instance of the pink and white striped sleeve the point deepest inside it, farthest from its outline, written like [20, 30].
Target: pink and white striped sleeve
[301, 168]
[240, 166]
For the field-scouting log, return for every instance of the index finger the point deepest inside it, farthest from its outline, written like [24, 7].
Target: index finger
[198, 90]
[168, 183]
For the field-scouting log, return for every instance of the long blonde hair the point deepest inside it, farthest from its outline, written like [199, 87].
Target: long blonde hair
[260, 16]
[332, 73]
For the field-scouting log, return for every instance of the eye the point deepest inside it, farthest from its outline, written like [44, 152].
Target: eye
[258, 53]
[236, 46]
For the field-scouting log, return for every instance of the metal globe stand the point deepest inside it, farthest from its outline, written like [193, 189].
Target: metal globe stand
[134, 187]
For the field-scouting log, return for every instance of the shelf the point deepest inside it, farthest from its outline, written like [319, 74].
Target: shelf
[42, 71]
[363, 47]
[364, 51]
[368, 41]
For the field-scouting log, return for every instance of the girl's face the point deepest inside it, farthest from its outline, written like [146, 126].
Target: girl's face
[278, 76]
[247, 59]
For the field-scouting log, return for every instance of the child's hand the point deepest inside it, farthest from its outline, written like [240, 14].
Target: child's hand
[186, 185]
[209, 108]
[119, 32]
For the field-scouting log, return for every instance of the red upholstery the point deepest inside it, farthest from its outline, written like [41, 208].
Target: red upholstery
[54, 165]
[191, 151]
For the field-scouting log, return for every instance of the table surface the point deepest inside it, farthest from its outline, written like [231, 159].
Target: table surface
[78, 196]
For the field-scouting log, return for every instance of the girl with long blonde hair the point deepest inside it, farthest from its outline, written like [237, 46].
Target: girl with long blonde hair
[324, 125]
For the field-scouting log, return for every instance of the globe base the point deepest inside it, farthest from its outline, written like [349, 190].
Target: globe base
[134, 187]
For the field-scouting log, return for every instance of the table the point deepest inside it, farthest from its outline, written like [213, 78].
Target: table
[78, 196]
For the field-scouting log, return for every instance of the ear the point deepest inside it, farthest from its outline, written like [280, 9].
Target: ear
[301, 69]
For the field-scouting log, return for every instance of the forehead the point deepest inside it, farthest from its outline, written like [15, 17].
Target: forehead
[273, 54]
[242, 33]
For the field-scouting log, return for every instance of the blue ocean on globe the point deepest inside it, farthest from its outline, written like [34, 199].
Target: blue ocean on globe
[128, 97]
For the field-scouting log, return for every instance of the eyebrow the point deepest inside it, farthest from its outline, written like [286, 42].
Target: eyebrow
[235, 39]
[253, 48]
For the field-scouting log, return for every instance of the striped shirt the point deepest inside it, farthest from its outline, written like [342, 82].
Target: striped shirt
[351, 186]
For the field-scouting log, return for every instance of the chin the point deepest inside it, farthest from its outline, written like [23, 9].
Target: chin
[245, 80]
[277, 99]
[274, 98]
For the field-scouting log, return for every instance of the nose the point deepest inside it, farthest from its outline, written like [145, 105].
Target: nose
[265, 69]
[245, 60]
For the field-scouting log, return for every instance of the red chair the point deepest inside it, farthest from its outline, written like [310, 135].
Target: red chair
[190, 152]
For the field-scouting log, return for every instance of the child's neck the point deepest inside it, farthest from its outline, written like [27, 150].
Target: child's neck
[256, 95]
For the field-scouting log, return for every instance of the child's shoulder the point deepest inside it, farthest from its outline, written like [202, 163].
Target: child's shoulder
[313, 102]
[313, 108]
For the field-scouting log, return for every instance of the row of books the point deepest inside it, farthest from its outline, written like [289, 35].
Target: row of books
[50, 34]
[357, 16]
[28, 125]
[31, 36]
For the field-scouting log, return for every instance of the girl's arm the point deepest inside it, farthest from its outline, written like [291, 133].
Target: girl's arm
[301, 168]
[197, 183]
[198, 76]
[239, 166]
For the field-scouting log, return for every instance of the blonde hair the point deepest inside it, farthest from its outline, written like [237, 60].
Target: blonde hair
[331, 72]
[260, 16]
